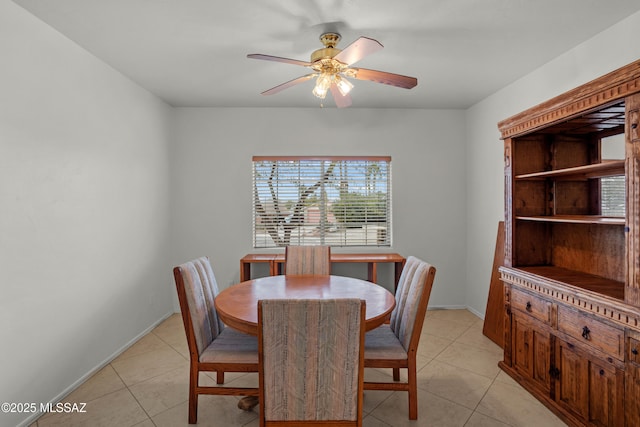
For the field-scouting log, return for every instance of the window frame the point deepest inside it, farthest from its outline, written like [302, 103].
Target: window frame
[362, 189]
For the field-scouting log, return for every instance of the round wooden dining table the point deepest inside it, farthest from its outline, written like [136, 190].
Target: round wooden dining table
[237, 305]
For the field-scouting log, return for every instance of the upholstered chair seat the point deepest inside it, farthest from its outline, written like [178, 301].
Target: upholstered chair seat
[231, 346]
[382, 343]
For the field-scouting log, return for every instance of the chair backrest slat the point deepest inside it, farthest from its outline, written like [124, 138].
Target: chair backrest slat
[199, 288]
[311, 359]
[307, 260]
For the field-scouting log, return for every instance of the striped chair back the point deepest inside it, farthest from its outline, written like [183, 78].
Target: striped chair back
[307, 260]
[412, 297]
[200, 289]
[310, 356]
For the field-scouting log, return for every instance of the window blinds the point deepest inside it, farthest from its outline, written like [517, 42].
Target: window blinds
[613, 196]
[336, 201]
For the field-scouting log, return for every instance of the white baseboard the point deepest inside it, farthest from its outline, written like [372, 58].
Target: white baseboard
[85, 377]
[477, 313]
[447, 307]
[456, 307]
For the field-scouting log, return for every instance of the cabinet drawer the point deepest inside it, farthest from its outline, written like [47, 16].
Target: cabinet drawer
[592, 332]
[532, 305]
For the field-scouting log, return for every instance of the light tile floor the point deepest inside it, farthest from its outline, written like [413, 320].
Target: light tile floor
[459, 383]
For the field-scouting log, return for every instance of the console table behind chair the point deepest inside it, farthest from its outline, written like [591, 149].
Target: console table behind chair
[276, 262]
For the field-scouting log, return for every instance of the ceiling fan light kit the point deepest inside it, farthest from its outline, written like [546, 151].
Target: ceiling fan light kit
[332, 66]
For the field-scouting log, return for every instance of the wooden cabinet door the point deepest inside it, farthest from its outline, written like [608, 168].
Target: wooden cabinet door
[632, 395]
[531, 351]
[589, 388]
[606, 395]
[572, 386]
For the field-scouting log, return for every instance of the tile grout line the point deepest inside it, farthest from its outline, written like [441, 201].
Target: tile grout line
[132, 395]
[475, 409]
[493, 380]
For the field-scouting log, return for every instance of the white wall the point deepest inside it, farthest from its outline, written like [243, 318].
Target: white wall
[84, 211]
[609, 50]
[211, 182]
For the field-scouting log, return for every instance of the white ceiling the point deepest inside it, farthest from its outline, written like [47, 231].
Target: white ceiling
[193, 52]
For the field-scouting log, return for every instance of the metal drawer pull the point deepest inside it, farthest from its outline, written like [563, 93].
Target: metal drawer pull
[585, 333]
[634, 351]
[528, 307]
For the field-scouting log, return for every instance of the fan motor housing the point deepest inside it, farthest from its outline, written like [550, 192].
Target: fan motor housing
[326, 53]
[329, 40]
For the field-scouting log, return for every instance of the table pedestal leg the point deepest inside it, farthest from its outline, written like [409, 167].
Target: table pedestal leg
[247, 403]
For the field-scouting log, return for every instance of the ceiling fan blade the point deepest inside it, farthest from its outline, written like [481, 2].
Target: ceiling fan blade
[340, 99]
[278, 59]
[357, 50]
[384, 78]
[288, 84]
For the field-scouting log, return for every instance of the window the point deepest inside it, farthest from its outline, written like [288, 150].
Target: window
[336, 201]
[613, 196]
[612, 188]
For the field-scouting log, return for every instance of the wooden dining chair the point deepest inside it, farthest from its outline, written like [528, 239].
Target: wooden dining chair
[311, 361]
[307, 260]
[212, 346]
[395, 345]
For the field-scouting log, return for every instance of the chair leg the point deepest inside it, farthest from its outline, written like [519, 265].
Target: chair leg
[219, 377]
[193, 395]
[413, 389]
[396, 374]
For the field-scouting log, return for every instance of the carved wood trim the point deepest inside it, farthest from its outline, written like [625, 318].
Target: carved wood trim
[632, 150]
[598, 93]
[508, 206]
[601, 307]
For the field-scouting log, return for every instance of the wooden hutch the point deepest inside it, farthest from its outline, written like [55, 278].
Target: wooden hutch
[572, 255]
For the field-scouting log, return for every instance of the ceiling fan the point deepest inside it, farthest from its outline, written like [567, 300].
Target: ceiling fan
[331, 67]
